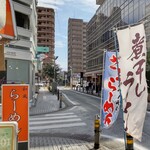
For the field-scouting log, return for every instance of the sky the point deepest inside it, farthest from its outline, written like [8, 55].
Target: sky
[65, 9]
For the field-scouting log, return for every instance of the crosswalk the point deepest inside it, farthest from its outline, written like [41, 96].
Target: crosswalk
[55, 121]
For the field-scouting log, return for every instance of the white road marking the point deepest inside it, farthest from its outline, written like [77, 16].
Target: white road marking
[73, 103]
[52, 118]
[55, 121]
[55, 126]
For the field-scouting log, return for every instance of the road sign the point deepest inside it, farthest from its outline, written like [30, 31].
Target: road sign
[8, 135]
[15, 99]
[42, 49]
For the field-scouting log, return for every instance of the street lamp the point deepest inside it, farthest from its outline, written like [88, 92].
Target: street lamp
[54, 66]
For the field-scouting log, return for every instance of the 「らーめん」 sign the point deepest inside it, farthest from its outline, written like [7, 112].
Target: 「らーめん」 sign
[15, 98]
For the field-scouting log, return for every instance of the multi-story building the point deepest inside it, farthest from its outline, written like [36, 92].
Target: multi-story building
[46, 31]
[20, 54]
[100, 36]
[76, 47]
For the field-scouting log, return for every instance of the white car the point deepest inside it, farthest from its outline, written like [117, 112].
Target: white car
[39, 84]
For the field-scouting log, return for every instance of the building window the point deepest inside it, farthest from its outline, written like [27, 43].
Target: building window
[22, 20]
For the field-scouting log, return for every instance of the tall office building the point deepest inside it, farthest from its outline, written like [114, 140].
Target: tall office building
[46, 31]
[100, 37]
[76, 46]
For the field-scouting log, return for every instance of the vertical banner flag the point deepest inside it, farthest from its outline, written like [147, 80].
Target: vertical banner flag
[110, 92]
[15, 98]
[132, 51]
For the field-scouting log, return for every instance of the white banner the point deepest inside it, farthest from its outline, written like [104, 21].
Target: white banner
[132, 51]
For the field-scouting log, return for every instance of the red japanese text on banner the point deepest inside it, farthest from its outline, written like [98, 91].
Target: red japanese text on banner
[132, 51]
[110, 92]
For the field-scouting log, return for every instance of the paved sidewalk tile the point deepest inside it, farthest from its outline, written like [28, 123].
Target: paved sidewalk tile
[46, 103]
[42, 142]
[52, 143]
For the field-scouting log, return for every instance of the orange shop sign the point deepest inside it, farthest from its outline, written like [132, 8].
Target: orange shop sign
[15, 98]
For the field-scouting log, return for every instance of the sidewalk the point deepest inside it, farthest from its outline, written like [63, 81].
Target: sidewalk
[46, 103]
[58, 143]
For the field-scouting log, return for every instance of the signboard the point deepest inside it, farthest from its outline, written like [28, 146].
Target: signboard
[8, 135]
[15, 98]
[42, 49]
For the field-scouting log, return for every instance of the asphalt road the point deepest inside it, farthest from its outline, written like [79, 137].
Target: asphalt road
[88, 106]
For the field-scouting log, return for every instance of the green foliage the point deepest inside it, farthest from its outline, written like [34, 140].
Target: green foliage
[48, 71]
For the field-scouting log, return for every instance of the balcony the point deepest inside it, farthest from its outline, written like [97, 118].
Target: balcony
[24, 32]
[46, 31]
[28, 2]
[46, 18]
[46, 25]
[22, 8]
[23, 43]
[44, 12]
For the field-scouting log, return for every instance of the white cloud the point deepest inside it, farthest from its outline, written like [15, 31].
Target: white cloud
[52, 2]
[47, 5]
[85, 5]
[55, 4]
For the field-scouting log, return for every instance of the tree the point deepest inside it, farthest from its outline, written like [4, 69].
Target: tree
[48, 71]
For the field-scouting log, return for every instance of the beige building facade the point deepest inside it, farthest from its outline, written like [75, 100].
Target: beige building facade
[76, 47]
[46, 31]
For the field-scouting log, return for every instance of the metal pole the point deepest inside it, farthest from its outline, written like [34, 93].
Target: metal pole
[54, 69]
[97, 132]
[71, 79]
[121, 101]
[58, 94]
[129, 142]
[60, 106]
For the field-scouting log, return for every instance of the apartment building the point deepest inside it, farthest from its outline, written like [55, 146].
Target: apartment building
[76, 47]
[20, 54]
[100, 37]
[46, 31]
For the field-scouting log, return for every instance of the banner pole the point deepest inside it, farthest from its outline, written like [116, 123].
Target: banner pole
[121, 100]
[104, 56]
